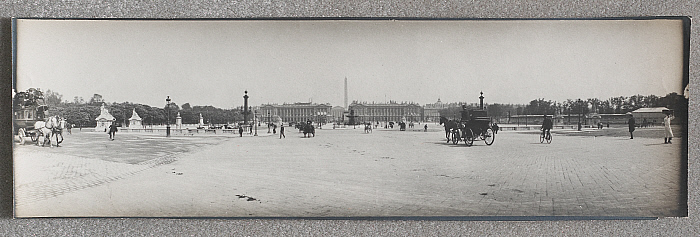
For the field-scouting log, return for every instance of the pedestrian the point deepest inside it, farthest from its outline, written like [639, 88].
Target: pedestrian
[425, 128]
[240, 130]
[282, 132]
[495, 128]
[668, 133]
[631, 124]
[274, 129]
[112, 131]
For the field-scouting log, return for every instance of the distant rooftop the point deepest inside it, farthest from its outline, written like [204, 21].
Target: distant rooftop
[650, 110]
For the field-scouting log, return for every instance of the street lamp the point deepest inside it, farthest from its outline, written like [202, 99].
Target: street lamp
[167, 119]
[268, 121]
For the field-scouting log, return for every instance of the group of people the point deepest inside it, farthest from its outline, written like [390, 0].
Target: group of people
[274, 130]
[668, 133]
[547, 125]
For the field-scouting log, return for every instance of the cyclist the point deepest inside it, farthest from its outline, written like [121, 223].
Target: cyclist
[546, 126]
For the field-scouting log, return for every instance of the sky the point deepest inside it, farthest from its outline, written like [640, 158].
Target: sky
[214, 62]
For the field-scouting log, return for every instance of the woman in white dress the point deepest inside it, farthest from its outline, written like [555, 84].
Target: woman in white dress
[668, 134]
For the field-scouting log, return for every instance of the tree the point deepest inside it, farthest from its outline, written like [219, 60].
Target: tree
[78, 100]
[53, 98]
[186, 106]
[96, 98]
[540, 106]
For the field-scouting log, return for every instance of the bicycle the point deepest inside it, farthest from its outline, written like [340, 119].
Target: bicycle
[545, 136]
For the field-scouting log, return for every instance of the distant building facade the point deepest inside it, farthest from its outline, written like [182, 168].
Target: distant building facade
[337, 113]
[296, 112]
[653, 115]
[431, 112]
[386, 112]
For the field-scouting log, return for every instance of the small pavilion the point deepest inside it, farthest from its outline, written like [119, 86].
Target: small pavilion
[104, 120]
[135, 120]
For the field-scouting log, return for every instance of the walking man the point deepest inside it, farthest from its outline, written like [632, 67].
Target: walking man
[631, 124]
[240, 130]
[282, 132]
[112, 131]
[425, 128]
[668, 133]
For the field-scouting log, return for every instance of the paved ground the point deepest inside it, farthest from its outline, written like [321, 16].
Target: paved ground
[345, 172]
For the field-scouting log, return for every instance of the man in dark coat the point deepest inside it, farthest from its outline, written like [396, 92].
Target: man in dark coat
[631, 124]
[282, 132]
[240, 130]
[547, 125]
[112, 131]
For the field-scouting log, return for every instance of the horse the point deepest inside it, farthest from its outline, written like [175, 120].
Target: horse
[46, 129]
[449, 126]
[368, 128]
[308, 129]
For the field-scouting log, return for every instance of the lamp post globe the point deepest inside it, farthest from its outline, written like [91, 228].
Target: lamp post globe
[167, 119]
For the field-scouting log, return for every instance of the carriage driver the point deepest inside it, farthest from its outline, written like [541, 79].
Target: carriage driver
[546, 125]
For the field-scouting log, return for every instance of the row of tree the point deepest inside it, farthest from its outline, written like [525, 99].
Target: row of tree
[615, 105]
[82, 113]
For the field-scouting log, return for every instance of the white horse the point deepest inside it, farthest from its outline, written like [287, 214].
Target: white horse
[47, 129]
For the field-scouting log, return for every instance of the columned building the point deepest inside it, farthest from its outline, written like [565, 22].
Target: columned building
[431, 112]
[296, 112]
[337, 113]
[387, 112]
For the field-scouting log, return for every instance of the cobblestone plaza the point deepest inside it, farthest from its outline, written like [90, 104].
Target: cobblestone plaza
[348, 173]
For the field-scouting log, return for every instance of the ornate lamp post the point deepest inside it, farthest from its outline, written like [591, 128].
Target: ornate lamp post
[268, 121]
[167, 119]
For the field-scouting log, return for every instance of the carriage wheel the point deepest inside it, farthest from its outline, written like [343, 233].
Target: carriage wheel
[489, 136]
[469, 139]
[455, 137]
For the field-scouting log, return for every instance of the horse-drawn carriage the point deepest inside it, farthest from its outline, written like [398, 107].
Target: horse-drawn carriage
[306, 128]
[29, 119]
[24, 119]
[473, 124]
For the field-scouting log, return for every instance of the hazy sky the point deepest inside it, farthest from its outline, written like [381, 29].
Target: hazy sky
[213, 62]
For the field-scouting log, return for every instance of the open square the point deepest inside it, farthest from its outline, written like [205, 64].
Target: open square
[348, 173]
